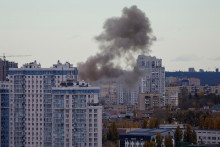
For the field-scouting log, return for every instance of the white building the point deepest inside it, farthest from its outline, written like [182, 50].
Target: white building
[208, 136]
[153, 79]
[171, 96]
[32, 109]
[77, 118]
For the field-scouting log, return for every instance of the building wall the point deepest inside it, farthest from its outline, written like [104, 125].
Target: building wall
[31, 102]
[147, 101]
[153, 80]
[208, 136]
[4, 68]
[77, 121]
[108, 93]
[4, 114]
[171, 96]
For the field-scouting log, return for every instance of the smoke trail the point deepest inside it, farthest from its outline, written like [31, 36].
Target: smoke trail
[123, 38]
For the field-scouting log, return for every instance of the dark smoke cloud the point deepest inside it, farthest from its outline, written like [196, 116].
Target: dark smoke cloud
[123, 37]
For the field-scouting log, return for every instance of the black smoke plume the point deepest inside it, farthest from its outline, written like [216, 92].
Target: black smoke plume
[123, 38]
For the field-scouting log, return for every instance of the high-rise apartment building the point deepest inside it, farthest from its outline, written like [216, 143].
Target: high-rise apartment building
[151, 81]
[77, 118]
[4, 68]
[4, 114]
[40, 114]
[153, 78]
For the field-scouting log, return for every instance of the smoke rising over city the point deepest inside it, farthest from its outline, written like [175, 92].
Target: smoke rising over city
[122, 39]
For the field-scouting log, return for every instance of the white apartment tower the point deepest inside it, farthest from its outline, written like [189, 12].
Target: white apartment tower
[153, 79]
[35, 109]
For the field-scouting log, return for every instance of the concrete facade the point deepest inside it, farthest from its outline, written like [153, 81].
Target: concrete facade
[36, 116]
[147, 101]
[171, 96]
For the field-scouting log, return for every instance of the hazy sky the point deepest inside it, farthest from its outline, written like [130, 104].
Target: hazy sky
[187, 31]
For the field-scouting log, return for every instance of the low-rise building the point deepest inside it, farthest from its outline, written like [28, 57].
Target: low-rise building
[139, 136]
[208, 136]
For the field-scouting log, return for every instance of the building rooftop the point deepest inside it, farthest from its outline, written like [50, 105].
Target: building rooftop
[147, 132]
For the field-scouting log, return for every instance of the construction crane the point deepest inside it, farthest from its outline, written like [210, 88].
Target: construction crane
[4, 68]
[4, 57]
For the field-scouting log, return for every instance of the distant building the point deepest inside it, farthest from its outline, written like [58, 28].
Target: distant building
[4, 68]
[153, 80]
[171, 96]
[191, 69]
[194, 81]
[208, 136]
[108, 93]
[139, 136]
[201, 70]
[147, 101]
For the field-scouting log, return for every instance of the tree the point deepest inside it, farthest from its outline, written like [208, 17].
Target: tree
[168, 141]
[112, 134]
[159, 139]
[136, 124]
[152, 143]
[178, 134]
[120, 124]
[147, 144]
[201, 122]
[154, 123]
[194, 137]
[145, 123]
[188, 134]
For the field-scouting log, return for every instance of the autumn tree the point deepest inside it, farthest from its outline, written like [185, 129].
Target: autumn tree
[136, 124]
[112, 133]
[194, 137]
[168, 141]
[145, 123]
[178, 134]
[120, 124]
[152, 143]
[159, 139]
[188, 134]
[153, 123]
[147, 144]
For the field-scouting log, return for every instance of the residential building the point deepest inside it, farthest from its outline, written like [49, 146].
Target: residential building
[139, 136]
[50, 107]
[108, 92]
[171, 96]
[208, 136]
[147, 101]
[76, 116]
[191, 69]
[153, 79]
[4, 114]
[4, 68]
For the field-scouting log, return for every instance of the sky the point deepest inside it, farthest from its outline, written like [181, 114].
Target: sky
[187, 31]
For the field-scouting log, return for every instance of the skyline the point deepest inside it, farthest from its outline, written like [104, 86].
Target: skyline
[53, 29]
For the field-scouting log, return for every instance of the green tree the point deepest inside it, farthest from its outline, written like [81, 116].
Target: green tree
[159, 139]
[178, 134]
[145, 123]
[188, 134]
[112, 134]
[194, 137]
[168, 141]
